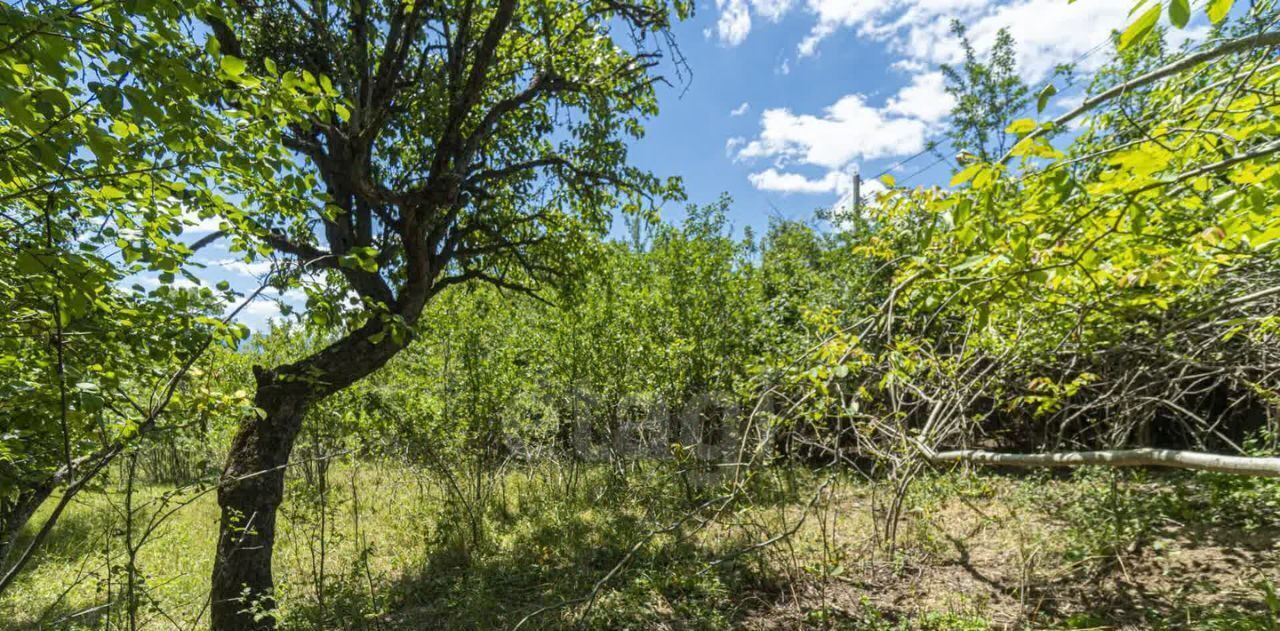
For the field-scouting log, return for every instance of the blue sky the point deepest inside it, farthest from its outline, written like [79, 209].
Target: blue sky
[788, 97]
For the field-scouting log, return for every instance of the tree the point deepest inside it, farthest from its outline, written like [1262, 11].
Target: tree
[1119, 292]
[436, 144]
[103, 167]
[987, 95]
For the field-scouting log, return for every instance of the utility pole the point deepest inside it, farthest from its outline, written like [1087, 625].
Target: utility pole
[857, 194]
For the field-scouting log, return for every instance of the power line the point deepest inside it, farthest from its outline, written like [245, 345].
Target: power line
[926, 168]
[901, 163]
[1075, 81]
[933, 146]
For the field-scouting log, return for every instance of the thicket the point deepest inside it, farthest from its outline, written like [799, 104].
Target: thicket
[1101, 280]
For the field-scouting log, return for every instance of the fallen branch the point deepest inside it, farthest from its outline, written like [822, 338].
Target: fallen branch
[1260, 40]
[1146, 457]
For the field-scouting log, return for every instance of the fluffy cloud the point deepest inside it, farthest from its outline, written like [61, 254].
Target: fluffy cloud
[778, 182]
[925, 99]
[868, 191]
[148, 281]
[838, 182]
[258, 314]
[734, 23]
[193, 224]
[735, 17]
[848, 129]
[255, 269]
[1047, 32]
[741, 109]
[834, 14]
[883, 20]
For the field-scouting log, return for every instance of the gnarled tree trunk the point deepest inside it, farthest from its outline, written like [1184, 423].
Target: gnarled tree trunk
[252, 484]
[249, 493]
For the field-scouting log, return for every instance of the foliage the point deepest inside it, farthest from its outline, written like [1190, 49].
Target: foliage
[1056, 287]
[105, 166]
[987, 95]
[593, 432]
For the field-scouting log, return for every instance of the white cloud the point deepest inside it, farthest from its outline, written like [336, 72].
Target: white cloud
[771, 10]
[835, 181]
[1046, 32]
[849, 129]
[868, 191]
[740, 110]
[735, 17]
[925, 98]
[734, 23]
[881, 19]
[258, 314]
[149, 281]
[732, 145]
[833, 14]
[193, 224]
[1068, 102]
[773, 180]
[261, 309]
[204, 226]
[910, 66]
[918, 32]
[254, 269]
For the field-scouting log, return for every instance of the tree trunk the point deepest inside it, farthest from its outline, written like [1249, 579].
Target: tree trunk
[1142, 457]
[252, 484]
[249, 493]
[14, 514]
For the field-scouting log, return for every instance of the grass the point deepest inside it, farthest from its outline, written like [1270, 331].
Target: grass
[395, 547]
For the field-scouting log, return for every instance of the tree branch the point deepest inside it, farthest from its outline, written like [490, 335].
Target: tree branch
[1144, 457]
[1260, 40]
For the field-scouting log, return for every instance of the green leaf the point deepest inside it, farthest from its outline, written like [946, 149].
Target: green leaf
[111, 192]
[91, 402]
[1218, 9]
[102, 145]
[1021, 126]
[233, 66]
[966, 174]
[29, 263]
[1140, 27]
[1042, 99]
[1179, 12]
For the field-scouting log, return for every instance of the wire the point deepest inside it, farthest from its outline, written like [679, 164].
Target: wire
[933, 146]
[917, 173]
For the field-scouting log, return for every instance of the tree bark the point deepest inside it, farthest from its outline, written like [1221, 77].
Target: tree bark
[1144, 457]
[252, 487]
[252, 484]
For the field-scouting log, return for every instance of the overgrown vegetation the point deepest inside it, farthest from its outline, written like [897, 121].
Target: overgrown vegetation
[490, 415]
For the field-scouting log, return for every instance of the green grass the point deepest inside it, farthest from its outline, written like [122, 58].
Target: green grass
[405, 552]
